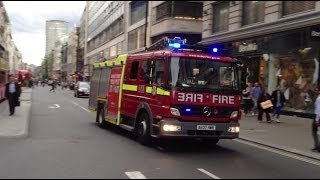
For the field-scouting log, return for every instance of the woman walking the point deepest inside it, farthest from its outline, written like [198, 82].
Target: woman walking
[264, 96]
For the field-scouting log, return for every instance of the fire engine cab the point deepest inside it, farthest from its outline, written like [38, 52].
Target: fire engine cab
[170, 91]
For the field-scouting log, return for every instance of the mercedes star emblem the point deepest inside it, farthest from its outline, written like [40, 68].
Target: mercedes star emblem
[207, 111]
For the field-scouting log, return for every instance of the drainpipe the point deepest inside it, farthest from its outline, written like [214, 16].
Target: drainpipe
[146, 27]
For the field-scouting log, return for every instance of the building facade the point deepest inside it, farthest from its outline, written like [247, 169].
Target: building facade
[278, 42]
[55, 29]
[69, 56]
[117, 27]
[5, 36]
[57, 58]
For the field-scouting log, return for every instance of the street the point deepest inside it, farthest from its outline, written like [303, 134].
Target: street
[65, 142]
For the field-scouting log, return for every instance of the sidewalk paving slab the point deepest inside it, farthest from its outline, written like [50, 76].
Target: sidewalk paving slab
[293, 134]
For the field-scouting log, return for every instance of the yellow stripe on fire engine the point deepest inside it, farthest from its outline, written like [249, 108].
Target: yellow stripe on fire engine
[148, 89]
[120, 60]
[120, 93]
[130, 87]
[163, 92]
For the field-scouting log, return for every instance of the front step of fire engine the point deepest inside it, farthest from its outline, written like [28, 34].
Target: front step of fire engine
[127, 127]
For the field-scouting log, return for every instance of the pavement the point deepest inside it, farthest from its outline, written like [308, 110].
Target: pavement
[17, 125]
[293, 134]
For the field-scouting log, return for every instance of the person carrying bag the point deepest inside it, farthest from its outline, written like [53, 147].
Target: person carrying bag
[264, 106]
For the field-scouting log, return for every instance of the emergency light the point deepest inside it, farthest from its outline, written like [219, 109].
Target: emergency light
[214, 50]
[176, 42]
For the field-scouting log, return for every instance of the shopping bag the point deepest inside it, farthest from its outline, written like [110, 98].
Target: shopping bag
[266, 104]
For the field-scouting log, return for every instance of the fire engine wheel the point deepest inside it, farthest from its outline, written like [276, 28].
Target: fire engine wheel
[100, 118]
[143, 129]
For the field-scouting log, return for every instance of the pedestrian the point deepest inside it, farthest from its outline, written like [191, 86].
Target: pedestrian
[256, 92]
[12, 93]
[53, 86]
[315, 124]
[264, 96]
[278, 101]
[246, 96]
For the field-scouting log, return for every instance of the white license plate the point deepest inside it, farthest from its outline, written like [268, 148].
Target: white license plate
[206, 127]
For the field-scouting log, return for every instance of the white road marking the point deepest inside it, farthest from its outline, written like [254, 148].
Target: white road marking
[55, 106]
[314, 162]
[135, 175]
[208, 173]
[80, 106]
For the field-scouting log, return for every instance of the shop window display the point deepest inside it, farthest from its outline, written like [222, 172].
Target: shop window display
[297, 74]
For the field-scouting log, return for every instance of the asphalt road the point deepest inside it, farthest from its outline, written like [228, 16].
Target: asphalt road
[65, 142]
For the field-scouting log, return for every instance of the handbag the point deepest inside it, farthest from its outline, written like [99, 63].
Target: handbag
[266, 104]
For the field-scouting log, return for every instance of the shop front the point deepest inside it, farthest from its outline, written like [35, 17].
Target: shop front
[289, 59]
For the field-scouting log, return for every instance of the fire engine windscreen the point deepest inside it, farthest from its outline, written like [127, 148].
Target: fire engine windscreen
[202, 73]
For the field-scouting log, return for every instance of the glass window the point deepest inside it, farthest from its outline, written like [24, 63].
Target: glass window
[164, 10]
[185, 9]
[146, 72]
[158, 72]
[200, 73]
[221, 16]
[179, 9]
[138, 11]
[253, 12]
[134, 70]
[136, 38]
[292, 7]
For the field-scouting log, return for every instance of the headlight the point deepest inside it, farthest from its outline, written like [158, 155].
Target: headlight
[80, 90]
[234, 129]
[168, 127]
[175, 111]
[234, 114]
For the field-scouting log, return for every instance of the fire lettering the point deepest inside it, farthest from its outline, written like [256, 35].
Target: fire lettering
[221, 99]
[188, 97]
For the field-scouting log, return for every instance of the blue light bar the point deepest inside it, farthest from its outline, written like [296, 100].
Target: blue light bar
[175, 45]
[215, 50]
[188, 110]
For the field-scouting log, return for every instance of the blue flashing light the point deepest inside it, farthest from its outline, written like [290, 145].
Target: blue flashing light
[187, 111]
[215, 50]
[175, 45]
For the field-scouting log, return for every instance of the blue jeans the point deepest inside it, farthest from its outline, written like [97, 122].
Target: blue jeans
[277, 110]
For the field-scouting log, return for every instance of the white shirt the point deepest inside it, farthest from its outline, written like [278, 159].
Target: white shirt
[12, 88]
[317, 108]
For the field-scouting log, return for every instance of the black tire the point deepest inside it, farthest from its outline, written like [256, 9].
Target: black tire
[143, 129]
[100, 118]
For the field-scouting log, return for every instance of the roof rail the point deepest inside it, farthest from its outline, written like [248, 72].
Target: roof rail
[168, 44]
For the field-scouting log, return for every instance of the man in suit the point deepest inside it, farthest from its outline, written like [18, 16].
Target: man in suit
[12, 93]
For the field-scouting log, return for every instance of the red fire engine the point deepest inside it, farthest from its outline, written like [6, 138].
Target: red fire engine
[178, 91]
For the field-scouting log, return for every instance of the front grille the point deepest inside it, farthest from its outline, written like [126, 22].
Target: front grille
[203, 133]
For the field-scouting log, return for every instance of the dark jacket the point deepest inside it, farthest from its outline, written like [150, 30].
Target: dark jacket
[263, 98]
[274, 97]
[16, 94]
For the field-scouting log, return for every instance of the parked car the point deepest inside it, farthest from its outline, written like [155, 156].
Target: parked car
[81, 88]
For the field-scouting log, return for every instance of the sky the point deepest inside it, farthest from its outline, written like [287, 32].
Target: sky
[28, 23]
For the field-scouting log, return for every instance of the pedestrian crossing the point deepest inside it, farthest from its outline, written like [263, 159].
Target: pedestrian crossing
[140, 175]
